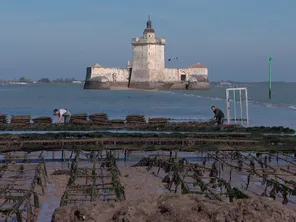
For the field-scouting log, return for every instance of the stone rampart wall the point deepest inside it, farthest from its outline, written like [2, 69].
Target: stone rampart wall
[174, 75]
[113, 74]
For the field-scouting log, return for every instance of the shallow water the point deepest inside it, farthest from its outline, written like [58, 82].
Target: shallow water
[48, 207]
[136, 131]
[55, 158]
[37, 100]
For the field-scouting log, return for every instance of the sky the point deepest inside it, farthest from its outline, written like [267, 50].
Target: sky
[233, 38]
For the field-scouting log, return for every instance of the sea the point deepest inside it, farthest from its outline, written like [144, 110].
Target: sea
[40, 100]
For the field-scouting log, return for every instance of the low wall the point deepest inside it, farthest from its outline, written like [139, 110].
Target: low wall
[198, 86]
[113, 74]
[96, 85]
[169, 79]
[174, 75]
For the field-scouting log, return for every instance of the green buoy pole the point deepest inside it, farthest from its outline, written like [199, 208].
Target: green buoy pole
[270, 71]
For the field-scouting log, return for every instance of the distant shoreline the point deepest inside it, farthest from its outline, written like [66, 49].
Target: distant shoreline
[216, 83]
[40, 83]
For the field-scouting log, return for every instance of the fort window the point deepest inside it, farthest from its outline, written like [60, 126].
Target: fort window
[183, 77]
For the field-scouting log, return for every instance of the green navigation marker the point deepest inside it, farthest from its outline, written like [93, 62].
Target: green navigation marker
[270, 71]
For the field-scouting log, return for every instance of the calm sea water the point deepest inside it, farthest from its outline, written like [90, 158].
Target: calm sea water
[40, 100]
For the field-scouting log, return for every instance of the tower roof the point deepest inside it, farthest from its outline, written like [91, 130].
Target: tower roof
[97, 65]
[197, 65]
[149, 26]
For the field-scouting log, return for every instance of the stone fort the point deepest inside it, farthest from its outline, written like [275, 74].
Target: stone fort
[147, 70]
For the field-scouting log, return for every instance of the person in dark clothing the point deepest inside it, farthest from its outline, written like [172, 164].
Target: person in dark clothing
[219, 115]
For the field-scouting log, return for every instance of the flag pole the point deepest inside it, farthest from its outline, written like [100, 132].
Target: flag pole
[270, 76]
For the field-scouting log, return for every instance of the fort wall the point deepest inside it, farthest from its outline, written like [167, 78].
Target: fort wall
[175, 75]
[112, 74]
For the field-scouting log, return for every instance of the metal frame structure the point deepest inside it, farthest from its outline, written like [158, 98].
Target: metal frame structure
[18, 187]
[100, 181]
[240, 90]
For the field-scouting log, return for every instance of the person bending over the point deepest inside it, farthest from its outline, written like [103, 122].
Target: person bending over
[62, 113]
[219, 115]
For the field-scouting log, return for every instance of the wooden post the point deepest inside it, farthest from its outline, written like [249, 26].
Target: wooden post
[30, 214]
[40, 180]
[18, 215]
[36, 200]
[124, 155]
[70, 159]
[63, 155]
[176, 154]
[44, 176]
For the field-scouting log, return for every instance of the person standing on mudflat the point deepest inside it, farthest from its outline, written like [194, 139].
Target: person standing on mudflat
[219, 115]
[62, 113]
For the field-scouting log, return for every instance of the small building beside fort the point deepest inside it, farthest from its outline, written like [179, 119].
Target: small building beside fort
[147, 70]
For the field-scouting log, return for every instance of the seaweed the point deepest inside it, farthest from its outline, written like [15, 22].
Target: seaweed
[80, 122]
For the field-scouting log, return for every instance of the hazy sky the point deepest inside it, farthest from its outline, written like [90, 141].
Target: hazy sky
[234, 38]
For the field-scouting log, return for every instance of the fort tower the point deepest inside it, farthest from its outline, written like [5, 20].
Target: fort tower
[148, 59]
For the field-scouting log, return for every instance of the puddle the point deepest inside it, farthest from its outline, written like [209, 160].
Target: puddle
[161, 190]
[48, 206]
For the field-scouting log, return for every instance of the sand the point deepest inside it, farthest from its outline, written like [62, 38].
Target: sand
[137, 181]
[147, 200]
[140, 184]
[171, 208]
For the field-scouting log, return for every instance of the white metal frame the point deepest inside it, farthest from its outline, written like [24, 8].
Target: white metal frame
[240, 90]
